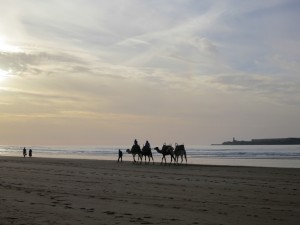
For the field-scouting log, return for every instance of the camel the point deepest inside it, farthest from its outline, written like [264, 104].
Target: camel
[136, 150]
[146, 151]
[166, 150]
[180, 151]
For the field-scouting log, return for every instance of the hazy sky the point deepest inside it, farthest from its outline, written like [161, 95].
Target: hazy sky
[104, 72]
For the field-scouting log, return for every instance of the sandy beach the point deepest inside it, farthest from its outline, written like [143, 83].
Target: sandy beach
[36, 191]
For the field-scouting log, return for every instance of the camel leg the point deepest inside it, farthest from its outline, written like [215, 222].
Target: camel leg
[173, 157]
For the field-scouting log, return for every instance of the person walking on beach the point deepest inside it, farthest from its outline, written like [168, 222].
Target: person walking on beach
[120, 156]
[30, 152]
[24, 152]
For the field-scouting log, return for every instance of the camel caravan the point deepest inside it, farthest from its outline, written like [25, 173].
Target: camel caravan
[166, 150]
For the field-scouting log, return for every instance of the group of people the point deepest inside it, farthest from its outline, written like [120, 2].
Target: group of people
[147, 144]
[25, 152]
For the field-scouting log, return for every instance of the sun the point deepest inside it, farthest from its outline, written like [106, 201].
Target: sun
[5, 46]
[3, 74]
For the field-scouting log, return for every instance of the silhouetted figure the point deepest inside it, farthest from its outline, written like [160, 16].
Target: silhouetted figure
[135, 142]
[166, 150]
[146, 151]
[24, 152]
[136, 150]
[30, 152]
[180, 151]
[120, 156]
[147, 144]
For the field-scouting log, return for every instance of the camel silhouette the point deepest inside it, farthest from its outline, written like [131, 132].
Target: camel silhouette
[136, 150]
[180, 151]
[166, 150]
[146, 151]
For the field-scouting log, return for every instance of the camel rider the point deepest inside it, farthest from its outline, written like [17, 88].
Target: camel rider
[147, 144]
[135, 142]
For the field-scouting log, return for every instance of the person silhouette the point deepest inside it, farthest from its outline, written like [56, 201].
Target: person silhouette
[30, 152]
[24, 152]
[147, 144]
[135, 142]
[120, 156]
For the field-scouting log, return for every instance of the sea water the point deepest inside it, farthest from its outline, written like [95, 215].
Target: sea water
[238, 155]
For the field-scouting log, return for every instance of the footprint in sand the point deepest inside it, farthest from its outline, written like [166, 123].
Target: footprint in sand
[109, 212]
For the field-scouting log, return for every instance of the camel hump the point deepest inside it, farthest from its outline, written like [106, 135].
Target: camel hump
[145, 147]
[136, 148]
[180, 148]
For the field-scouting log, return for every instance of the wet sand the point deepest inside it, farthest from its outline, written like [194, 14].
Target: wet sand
[40, 191]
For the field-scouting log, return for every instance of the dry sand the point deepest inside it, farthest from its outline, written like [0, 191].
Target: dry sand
[71, 191]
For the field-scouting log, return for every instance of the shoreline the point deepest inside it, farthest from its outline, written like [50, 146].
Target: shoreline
[265, 163]
[82, 191]
[262, 156]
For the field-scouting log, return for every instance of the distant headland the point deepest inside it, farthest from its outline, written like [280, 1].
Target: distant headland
[270, 141]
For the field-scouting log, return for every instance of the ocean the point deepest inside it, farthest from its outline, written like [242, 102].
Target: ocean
[286, 156]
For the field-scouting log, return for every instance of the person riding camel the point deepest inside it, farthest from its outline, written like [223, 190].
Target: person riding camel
[135, 142]
[147, 144]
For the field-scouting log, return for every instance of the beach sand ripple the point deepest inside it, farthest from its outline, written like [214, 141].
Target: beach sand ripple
[39, 191]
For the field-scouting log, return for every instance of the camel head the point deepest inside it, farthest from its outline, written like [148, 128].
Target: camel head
[128, 151]
[157, 149]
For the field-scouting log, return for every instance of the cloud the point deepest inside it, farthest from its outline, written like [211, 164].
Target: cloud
[36, 63]
[273, 88]
[188, 63]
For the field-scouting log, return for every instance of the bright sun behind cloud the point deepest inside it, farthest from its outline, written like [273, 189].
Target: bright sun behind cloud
[6, 47]
[3, 75]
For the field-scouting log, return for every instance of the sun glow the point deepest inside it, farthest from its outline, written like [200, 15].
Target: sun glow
[6, 47]
[3, 75]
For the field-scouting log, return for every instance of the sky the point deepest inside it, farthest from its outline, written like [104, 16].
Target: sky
[97, 72]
